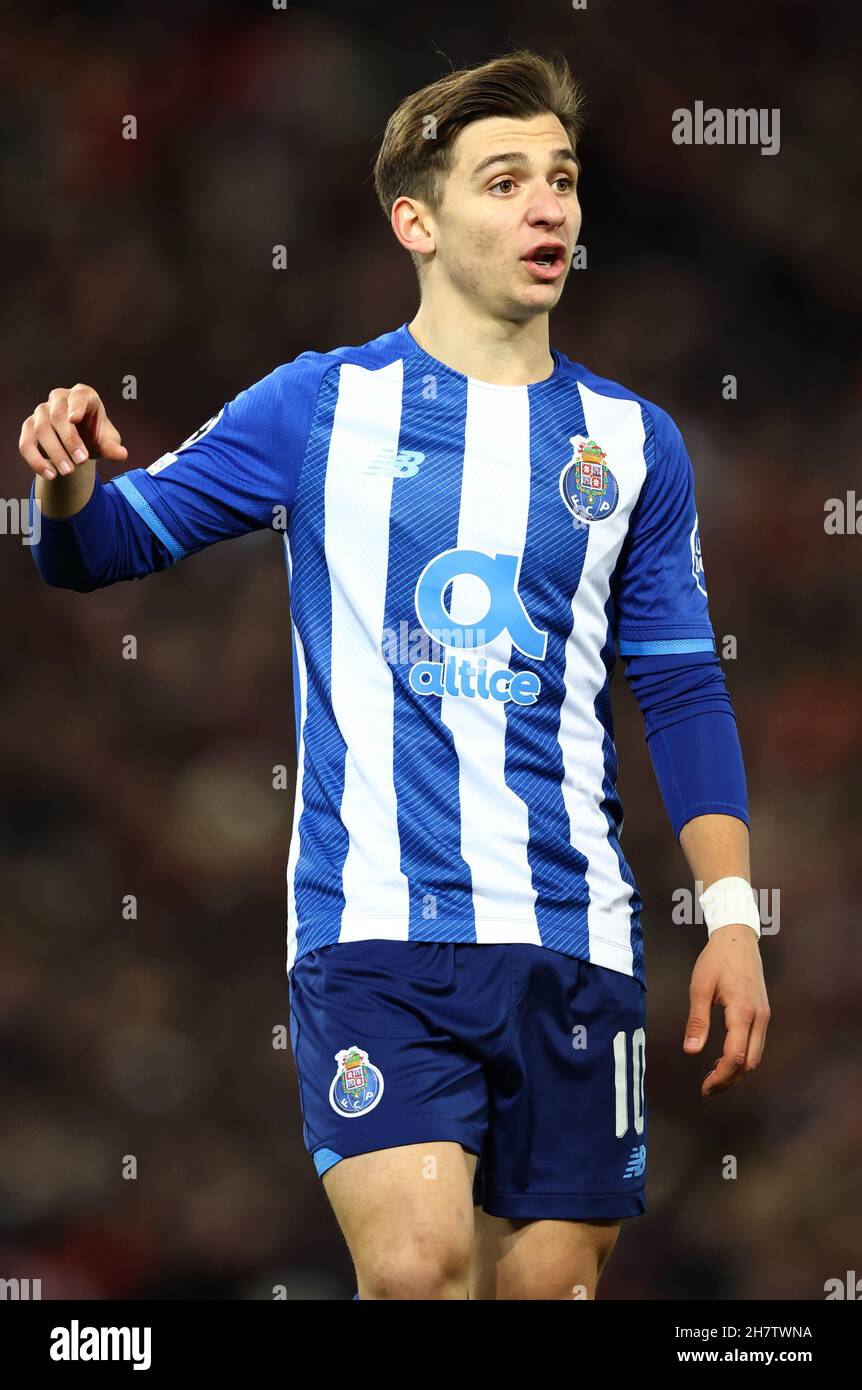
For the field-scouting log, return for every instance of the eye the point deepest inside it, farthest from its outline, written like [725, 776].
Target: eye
[563, 178]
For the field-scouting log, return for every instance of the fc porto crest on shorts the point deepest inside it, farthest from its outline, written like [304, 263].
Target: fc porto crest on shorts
[357, 1085]
[587, 485]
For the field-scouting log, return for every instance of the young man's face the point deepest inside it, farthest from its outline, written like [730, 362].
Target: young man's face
[511, 190]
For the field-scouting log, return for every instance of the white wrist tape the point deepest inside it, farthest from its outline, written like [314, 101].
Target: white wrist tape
[728, 901]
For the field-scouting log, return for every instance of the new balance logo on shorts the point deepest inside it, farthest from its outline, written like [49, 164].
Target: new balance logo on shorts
[636, 1166]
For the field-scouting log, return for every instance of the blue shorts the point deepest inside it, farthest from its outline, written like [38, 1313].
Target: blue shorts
[528, 1057]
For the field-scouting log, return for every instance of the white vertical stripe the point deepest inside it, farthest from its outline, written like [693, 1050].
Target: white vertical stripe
[617, 427]
[495, 500]
[293, 855]
[356, 542]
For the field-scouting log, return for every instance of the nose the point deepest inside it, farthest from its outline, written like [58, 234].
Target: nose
[547, 209]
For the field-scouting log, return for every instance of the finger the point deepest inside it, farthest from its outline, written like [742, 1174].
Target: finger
[757, 1039]
[46, 438]
[58, 411]
[697, 1023]
[728, 1067]
[83, 400]
[29, 451]
[109, 442]
[85, 408]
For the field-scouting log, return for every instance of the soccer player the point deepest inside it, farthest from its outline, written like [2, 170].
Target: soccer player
[475, 526]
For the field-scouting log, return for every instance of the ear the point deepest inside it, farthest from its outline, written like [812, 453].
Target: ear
[413, 225]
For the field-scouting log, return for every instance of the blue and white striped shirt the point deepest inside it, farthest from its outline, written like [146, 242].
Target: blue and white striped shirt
[465, 561]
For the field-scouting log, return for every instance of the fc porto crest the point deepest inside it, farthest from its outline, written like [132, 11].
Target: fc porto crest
[587, 485]
[357, 1085]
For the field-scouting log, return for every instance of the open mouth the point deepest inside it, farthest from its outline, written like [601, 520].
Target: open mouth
[547, 262]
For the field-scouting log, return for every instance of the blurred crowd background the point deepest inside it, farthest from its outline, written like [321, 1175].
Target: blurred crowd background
[152, 1035]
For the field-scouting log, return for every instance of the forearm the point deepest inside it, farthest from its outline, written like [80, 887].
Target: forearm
[716, 847]
[66, 495]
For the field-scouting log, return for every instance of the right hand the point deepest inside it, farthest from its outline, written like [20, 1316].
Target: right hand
[67, 429]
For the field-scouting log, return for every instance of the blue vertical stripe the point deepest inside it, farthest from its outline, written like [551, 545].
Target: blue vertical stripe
[424, 522]
[550, 572]
[323, 836]
[297, 692]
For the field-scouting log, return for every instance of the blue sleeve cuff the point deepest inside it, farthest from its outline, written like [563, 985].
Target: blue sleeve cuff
[107, 540]
[667, 645]
[72, 551]
[699, 769]
[691, 734]
[148, 514]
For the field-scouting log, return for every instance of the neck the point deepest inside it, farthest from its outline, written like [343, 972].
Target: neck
[473, 342]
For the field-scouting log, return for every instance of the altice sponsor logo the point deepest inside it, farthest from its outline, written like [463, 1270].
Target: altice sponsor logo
[492, 579]
[77, 1343]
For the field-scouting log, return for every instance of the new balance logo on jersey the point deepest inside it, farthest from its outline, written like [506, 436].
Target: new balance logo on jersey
[636, 1166]
[403, 464]
[462, 675]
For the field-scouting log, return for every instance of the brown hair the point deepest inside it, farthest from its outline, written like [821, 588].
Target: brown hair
[416, 153]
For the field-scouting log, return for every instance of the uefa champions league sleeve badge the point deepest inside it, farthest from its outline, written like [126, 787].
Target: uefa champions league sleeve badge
[357, 1085]
[587, 486]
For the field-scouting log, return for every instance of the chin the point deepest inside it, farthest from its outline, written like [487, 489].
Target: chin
[542, 298]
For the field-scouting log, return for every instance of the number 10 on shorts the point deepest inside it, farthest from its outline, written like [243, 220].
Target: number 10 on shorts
[621, 1074]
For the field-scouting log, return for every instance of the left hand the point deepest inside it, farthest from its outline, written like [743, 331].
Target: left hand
[729, 971]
